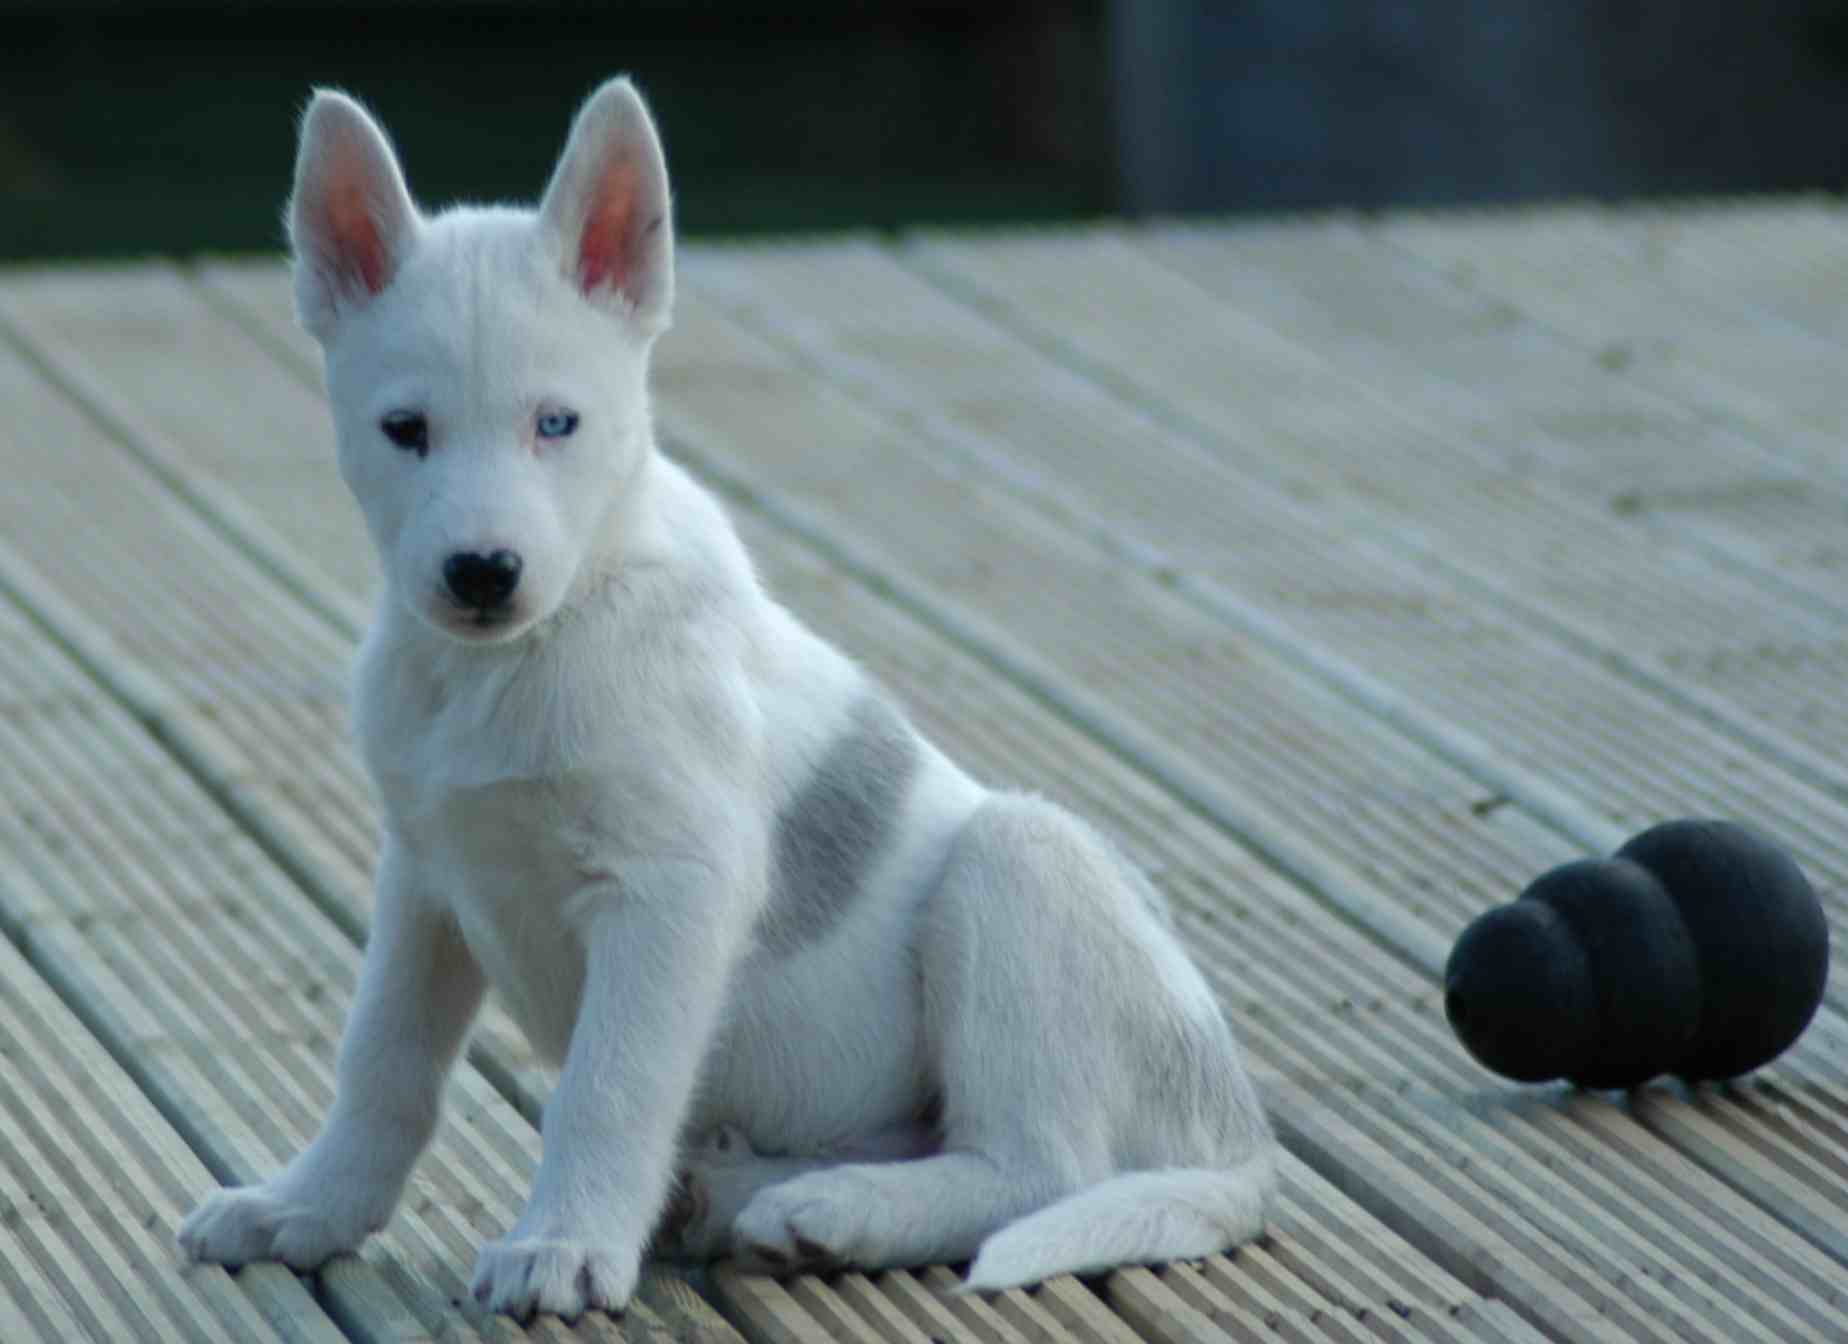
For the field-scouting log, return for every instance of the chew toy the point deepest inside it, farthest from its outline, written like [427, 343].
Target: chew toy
[1698, 949]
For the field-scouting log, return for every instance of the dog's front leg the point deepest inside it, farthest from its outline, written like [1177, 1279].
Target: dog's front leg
[659, 942]
[418, 991]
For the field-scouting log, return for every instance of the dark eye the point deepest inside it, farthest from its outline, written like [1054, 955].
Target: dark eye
[557, 424]
[408, 430]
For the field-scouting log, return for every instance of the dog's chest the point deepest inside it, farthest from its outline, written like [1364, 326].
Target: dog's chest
[506, 858]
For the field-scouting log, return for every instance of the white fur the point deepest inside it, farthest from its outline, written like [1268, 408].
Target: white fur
[869, 1011]
[1130, 1219]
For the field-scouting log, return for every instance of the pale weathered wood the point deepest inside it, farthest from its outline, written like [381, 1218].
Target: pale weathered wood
[977, 1314]
[1505, 442]
[941, 1315]
[765, 1311]
[1574, 271]
[1157, 1311]
[164, 378]
[92, 1183]
[1054, 609]
[1766, 259]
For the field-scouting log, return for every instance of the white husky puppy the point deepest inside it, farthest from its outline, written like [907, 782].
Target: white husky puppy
[867, 1011]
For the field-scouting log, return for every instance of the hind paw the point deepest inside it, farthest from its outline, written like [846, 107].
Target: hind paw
[818, 1221]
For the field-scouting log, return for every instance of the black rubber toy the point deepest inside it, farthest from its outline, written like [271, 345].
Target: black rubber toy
[1699, 949]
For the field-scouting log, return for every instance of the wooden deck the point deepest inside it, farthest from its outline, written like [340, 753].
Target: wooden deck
[1350, 572]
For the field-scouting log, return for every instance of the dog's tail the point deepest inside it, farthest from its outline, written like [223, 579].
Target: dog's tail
[1138, 1218]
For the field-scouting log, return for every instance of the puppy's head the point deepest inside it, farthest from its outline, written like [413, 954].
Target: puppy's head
[487, 367]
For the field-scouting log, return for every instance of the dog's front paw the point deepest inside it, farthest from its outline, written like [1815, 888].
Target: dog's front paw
[520, 1276]
[817, 1221]
[265, 1222]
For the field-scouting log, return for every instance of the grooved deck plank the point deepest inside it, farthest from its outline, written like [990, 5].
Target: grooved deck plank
[1776, 258]
[1513, 439]
[1605, 287]
[92, 1183]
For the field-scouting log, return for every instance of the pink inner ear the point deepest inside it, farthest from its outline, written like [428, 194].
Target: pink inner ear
[358, 244]
[606, 249]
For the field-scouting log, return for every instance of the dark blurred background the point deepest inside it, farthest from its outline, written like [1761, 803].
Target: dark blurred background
[134, 127]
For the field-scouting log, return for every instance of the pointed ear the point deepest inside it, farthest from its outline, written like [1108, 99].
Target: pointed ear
[351, 221]
[606, 212]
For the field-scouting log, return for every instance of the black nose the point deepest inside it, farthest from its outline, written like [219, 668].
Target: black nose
[482, 581]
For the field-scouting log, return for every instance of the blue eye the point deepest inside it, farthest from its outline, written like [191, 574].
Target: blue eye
[557, 424]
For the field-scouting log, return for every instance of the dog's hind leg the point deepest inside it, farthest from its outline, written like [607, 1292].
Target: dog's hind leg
[1073, 1042]
[938, 1208]
[1006, 978]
